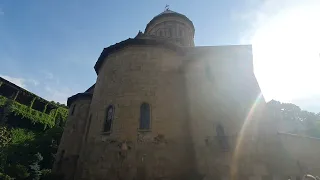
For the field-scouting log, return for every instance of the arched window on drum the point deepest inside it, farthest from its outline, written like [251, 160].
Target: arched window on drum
[145, 117]
[109, 119]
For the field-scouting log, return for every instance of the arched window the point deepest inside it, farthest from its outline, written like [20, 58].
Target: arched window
[109, 118]
[220, 130]
[144, 116]
[222, 139]
[180, 32]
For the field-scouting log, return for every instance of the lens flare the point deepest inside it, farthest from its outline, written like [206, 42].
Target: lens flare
[239, 143]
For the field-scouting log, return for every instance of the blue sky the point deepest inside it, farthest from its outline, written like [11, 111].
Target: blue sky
[50, 47]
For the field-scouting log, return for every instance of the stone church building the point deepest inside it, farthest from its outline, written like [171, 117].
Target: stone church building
[165, 109]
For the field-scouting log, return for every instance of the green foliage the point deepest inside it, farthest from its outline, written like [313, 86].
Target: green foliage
[5, 110]
[45, 172]
[35, 171]
[20, 136]
[17, 170]
[28, 152]
[51, 176]
[48, 144]
[33, 115]
[4, 142]
[309, 121]
[4, 137]
[2, 100]
[5, 177]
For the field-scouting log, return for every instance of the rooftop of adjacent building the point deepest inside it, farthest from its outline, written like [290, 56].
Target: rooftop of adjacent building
[12, 91]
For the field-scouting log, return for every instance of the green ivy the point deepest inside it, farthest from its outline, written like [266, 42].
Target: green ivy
[18, 145]
[45, 108]
[19, 135]
[33, 100]
[2, 100]
[36, 116]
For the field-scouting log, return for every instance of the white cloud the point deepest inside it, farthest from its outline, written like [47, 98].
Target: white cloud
[60, 94]
[17, 81]
[47, 75]
[34, 82]
[22, 82]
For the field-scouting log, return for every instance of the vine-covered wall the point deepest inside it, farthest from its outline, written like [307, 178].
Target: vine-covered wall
[48, 120]
[30, 132]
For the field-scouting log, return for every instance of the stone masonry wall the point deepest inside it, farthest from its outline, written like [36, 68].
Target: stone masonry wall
[71, 140]
[175, 29]
[221, 89]
[128, 78]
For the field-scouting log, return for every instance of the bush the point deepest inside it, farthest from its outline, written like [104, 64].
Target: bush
[5, 177]
[19, 171]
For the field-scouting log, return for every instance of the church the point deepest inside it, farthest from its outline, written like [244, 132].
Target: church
[163, 108]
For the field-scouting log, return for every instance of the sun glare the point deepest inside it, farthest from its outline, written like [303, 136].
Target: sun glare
[286, 52]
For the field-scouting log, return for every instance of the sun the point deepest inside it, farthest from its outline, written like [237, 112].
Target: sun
[286, 53]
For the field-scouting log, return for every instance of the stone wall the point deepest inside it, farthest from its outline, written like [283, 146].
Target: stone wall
[71, 141]
[304, 152]
[127, 79]
[190, 97]
[221, 90]
[175, 29]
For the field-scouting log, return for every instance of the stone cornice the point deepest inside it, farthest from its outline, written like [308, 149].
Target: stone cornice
[147, 42]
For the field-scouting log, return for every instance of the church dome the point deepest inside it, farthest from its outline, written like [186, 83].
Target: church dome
[173, 26]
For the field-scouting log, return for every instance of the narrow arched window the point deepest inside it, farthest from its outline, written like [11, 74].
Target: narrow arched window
[144, 116]
[180, 33]
[220, 130]
[222, 139]
[108, 118]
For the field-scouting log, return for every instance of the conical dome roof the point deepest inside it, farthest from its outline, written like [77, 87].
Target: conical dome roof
[166, 12]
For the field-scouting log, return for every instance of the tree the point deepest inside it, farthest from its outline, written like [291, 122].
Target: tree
[292, 113]
[35, 171]
[5, 111]
[4, 141]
